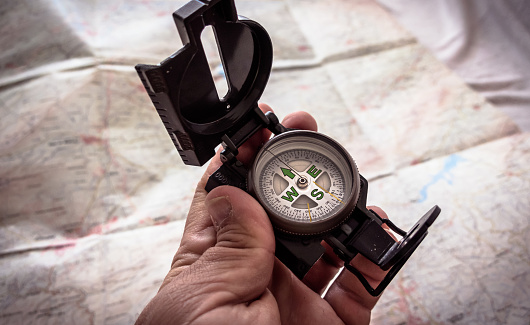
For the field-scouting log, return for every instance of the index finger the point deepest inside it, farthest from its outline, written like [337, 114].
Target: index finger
[347, 290]
[297, 120]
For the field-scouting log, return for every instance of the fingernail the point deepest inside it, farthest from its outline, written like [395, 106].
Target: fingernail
[219, 209]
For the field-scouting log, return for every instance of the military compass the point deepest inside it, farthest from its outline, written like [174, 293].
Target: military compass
[307, 183]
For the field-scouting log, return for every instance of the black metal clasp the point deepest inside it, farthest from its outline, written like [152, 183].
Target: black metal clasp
[374, 243]
[232, 172]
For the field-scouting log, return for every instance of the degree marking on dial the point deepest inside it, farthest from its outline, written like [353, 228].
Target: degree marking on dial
[283, 162]
[328, 192]
[309, 209]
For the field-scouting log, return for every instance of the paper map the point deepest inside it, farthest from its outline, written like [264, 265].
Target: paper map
[93, 195]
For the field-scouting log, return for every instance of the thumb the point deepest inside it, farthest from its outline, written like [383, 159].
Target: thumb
[235, 271]
[239, 220]
[245, 241]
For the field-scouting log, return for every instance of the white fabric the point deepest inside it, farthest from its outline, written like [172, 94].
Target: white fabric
[486, 42]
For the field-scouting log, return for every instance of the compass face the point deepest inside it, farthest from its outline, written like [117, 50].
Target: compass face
[306, 182]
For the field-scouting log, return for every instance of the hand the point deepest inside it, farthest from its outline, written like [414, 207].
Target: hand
[225, 271]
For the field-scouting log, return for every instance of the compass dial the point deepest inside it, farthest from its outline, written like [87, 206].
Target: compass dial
[306, 181]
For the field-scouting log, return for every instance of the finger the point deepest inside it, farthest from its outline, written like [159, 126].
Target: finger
[246, 151]
[297, 120]
[379, 211]
[199, 234]
[327, 267]
[347, 290]
[324, 270]
[383, 215]
[242, 259]
[234, 272]
[300, 120]
[297, 303]
[262, 311]
[350, 300]
[347, 295]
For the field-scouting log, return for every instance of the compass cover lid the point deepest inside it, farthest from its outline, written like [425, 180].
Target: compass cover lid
[182, 88]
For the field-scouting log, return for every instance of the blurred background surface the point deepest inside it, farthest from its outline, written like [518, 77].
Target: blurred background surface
[93, 195]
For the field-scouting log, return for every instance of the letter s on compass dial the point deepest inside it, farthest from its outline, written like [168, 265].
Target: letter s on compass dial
[306, 181]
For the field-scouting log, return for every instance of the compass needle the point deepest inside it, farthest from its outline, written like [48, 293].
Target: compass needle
[291, 169]
[309, 209]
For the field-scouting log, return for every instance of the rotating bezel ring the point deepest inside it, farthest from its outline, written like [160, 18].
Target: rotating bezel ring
[285, 179]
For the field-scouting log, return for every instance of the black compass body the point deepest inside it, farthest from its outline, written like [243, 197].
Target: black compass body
[307, 182]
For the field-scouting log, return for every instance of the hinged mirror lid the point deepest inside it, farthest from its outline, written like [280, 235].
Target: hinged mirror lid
[182, 87]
